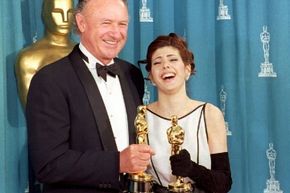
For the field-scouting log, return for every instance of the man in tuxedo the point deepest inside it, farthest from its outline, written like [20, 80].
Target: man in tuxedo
[80, 109]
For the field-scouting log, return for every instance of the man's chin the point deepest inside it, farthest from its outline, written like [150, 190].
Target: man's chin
[112, 54]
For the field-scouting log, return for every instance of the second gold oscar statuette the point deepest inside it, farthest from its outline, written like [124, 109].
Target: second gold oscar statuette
[140, 182]
[175, 136]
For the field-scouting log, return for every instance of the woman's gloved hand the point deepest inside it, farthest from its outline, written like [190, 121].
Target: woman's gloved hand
[216, 179]
[181, 163]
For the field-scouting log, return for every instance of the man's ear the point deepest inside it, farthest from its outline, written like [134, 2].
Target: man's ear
[80, 22]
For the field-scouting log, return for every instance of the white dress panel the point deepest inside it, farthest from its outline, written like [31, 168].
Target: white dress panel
[195, 142]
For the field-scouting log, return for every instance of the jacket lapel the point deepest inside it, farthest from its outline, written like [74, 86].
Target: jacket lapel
[95, 100]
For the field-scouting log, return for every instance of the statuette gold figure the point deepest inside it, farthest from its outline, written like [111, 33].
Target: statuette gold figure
[141, 182]
[175, 136]
[141, 125]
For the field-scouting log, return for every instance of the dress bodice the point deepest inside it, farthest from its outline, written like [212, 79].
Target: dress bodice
[195, 142]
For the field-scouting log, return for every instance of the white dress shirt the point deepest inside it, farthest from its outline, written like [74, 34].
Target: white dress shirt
[112, 96]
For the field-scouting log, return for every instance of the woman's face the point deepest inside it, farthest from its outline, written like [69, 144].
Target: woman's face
[168, 70]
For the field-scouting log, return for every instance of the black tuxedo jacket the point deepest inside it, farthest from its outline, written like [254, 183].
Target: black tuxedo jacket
[70, 139]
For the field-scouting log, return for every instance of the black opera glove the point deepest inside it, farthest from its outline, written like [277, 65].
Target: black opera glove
[217, 179]
[181, 163]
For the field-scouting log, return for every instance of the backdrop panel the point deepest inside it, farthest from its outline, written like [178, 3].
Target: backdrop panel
[242, 58]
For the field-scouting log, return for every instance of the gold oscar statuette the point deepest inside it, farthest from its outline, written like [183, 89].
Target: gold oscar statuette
[175, 136]
[140, 182]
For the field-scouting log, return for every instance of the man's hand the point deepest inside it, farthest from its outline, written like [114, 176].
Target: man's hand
[135, 158]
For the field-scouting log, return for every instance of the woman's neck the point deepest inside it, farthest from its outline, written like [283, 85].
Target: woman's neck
[167, 106]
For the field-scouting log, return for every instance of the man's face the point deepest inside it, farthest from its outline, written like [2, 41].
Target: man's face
[103, 26]
[58, 15]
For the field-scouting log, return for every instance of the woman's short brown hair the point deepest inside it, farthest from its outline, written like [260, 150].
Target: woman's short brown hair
[174, 41]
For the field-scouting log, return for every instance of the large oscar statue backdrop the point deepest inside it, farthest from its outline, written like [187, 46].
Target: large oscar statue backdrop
[57, 16]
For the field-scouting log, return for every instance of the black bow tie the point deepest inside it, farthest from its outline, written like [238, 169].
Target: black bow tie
[102, 71]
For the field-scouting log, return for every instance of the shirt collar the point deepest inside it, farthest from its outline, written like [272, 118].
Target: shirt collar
[92, 60]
